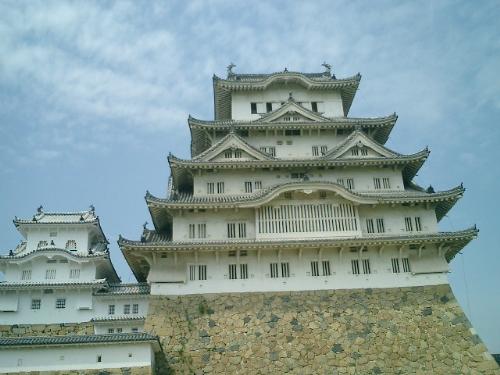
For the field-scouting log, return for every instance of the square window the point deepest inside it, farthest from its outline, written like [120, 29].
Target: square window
[135, 308]
[61, 303]
[111, 309]
[126, 309]
[36, 304]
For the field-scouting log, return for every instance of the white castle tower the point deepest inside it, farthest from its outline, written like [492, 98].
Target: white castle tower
[294, 241]
[62, 273]
[284, 192]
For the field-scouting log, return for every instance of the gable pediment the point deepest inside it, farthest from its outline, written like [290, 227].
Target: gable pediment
[359, 145]
[291, 111]
[232, 148]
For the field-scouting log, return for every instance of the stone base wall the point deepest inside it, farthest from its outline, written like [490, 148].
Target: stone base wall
[418, 330]
[109, 371]
[46, 329]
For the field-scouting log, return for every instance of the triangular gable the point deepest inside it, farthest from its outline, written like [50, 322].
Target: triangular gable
[359, 140]
[291, 109]
[232, 142]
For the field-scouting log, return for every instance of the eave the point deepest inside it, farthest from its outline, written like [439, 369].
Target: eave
[443, 201]
[141, 255]
[203, 132]
[224, 87]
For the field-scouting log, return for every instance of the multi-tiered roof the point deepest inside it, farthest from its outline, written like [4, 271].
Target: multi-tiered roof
[211, 138]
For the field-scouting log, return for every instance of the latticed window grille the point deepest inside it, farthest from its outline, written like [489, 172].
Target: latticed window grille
[406, 264]
[71, 245]
[326, 268]
[366, 266]
[314, 268]
[304, 218]
[395, 265]
[355, 266]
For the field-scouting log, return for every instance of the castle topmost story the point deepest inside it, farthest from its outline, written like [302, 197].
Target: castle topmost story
[285, 192]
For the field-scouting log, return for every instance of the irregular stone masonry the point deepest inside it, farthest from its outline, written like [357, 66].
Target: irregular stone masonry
[46, 329]
[418, 330]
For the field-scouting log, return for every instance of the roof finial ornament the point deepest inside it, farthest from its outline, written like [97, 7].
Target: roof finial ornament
[92, 208]
[39, 210]
[145, 225]
[328, 67]
[230, 72]
[286, 70]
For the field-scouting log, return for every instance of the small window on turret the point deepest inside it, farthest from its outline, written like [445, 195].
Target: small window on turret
[253, 108]
[42, 244]
[314, 106]
[269, 107]
[71, 245]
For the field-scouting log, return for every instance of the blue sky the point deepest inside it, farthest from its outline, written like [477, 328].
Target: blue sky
[94, 95]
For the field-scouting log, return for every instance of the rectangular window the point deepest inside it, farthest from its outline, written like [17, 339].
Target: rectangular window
[408, 224]
[36, 304]
[326, 268]
[380, 225]
[369, 226]
[364, 151]
[271, 150]
[202, 272]
[406, 264]
[220, 187]
[135, 308]
[395, 265]
[238, 154]
[202, 230]
[243, 271]
[340, 181]
[61, 303]
[355, 266]
[26, 275]
[287, 195]
[314, 106]
[111, 309]
[192, 272]
[355, 151]
[315, 151]
[366, 266]
[126, 309]
[269, 107]
[135, 330]
[210, 188]
[386, 183]
[50, 274]
[292, 132]
[232, 271]
[74, 273]
[274, 270]
[228, 154]
[111, 330]
[242, 230]
[258, 185]
[324, 150]
[192, 231]
[231, 230]
[376, 183]
[322, 194]
[119, 330]
[314, 268]
[349, 183]
[248, 186]
[253, 108]
[297, 175]
[285, 269]
[418, 224]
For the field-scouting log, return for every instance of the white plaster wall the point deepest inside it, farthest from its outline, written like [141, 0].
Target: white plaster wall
[40, 264]
[75, 357]
[216, 223]
[81, 306]
[234, 180]
[77, 303]
[102, 303]
[79, 233]
[300, 278]
[240, 101]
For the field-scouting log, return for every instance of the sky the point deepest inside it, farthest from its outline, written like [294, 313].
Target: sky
[95, 94]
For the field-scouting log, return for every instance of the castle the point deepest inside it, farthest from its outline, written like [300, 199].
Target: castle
[292, 241]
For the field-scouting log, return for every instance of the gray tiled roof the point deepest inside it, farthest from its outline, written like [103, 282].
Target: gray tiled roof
[33, 284]
[118, 318]
[74, 254]
[124, 289]
[6, 342]
[60, 217]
